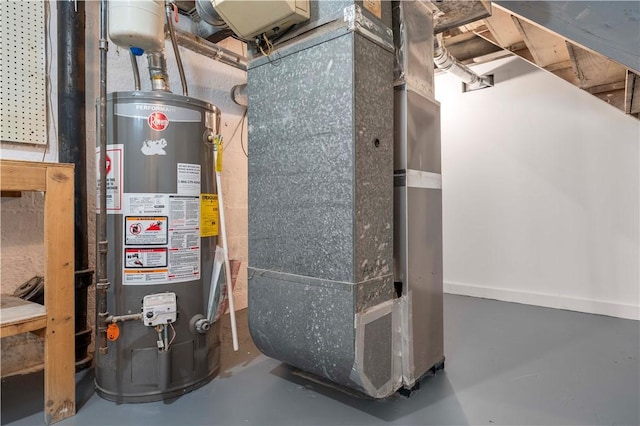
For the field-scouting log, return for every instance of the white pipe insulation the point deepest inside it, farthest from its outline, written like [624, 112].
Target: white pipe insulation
[446, 62]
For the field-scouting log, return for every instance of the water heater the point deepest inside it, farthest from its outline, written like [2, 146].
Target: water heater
[162, 228]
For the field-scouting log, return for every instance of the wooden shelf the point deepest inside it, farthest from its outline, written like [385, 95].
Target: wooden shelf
[56, 318]
[20, 316]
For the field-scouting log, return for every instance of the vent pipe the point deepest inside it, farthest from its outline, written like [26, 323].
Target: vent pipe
[446, 62]
[72, 145]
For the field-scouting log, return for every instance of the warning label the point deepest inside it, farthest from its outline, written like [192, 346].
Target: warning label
[145, 257]
[188, 179]
[184, 264]
[184, 238]
[184, 212]
[114, 176]
[168, 228]
[145, 276]
[208, 215]
[145, 230]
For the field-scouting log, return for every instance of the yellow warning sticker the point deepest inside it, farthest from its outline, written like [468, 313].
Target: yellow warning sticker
[373, 6]
[208, 215]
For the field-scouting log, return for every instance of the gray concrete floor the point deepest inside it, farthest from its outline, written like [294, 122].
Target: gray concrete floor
[506, 364]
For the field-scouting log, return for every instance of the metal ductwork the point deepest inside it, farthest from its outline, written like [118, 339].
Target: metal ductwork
[210, 50]
[329, 291]
[446, 62]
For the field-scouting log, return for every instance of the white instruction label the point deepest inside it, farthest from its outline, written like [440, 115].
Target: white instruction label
[145, 276]
[114, 177]
[161, 233]
[188, 179]
[184, 212]
[184, 238]
[146, 204]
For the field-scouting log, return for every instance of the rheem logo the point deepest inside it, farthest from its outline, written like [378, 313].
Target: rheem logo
[158, 121]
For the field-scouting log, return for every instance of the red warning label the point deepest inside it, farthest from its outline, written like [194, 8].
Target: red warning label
[145, 230]
[145, 257]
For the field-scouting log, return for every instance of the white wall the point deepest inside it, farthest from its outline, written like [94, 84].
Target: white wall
[541, 190]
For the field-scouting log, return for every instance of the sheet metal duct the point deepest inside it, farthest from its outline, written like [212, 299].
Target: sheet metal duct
[322, 295]
[417, 226]
[454, 13]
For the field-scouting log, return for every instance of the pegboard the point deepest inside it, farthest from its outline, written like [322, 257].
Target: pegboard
[23, 73]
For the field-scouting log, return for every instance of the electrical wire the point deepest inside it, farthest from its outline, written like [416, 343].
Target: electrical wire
[240, 123]
[51, 122]
[242, 135]
[174, 335]
[268, 44]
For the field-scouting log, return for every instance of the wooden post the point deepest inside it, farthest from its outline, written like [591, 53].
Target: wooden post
[59, 346]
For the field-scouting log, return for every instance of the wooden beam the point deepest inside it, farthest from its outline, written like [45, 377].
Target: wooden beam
[546, 48]
[22, 176]
[517, 46]
[603, 88]
[59, 342]
[593, 69]
[614, 98]
[502, 27]
[25, 326]
[558, 66]
[632, 93]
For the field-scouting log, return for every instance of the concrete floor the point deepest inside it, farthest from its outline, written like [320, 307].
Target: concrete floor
[506, 364]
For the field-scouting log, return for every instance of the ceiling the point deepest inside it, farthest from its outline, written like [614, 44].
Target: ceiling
[482, 31]
[505, 34]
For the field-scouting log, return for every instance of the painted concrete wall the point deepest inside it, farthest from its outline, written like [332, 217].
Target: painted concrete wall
[541, 191]
[22, 218]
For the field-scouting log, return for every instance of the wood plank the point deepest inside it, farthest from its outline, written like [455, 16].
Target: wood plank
[611, 87]
[632, 93]
[567, 75]
[59, 352]
[32, 324]
[559, 66]
[629, 86]
[615, 98]
[15, 310]
[18, 177]
[593, 69]
[11, 194]
[547, 48]
[503, 28]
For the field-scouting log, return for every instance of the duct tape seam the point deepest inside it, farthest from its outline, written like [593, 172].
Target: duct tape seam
[358, 375]
[378, 33]
[426, 180]
[408, 366]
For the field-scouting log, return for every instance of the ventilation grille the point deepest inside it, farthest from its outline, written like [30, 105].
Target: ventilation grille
[23, 86]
